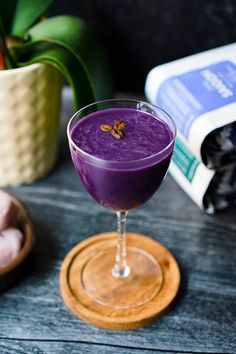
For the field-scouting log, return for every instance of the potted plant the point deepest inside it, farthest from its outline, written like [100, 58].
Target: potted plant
[35, 53]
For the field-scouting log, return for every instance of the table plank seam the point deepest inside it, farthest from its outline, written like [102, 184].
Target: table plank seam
[105, 344]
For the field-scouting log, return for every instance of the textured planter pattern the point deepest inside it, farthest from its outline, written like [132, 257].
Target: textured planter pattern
[29, 120]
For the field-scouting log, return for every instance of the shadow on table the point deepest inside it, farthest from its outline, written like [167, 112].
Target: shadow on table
[43, 258]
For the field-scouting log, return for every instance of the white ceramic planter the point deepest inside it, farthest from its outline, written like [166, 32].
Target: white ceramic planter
[29, 121]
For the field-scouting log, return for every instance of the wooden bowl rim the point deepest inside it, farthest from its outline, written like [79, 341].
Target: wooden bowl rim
[28, 237]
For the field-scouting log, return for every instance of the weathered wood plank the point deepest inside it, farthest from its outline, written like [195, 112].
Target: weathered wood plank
[43, 347]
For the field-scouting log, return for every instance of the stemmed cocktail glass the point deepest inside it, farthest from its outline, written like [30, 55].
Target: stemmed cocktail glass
[119, 276]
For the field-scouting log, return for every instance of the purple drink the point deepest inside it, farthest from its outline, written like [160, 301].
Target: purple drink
[121, 174]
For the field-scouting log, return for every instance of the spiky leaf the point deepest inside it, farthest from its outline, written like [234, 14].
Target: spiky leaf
[75, 35]
[27, 12]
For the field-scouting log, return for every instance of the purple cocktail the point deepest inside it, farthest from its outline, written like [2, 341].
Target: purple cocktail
[121, 149]
[123, 173]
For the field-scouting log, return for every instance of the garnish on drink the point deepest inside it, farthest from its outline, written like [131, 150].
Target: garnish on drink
[116, 129]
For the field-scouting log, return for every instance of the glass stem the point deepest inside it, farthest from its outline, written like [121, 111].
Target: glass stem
[121, 268]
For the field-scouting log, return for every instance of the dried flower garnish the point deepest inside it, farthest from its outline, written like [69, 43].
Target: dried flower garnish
[115, 129]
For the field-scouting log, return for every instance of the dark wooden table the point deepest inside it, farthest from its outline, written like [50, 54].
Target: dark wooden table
[33, 317]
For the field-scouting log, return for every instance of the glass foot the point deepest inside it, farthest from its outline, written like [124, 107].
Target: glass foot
[141, 284]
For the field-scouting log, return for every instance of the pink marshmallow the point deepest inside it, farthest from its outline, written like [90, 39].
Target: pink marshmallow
[5, 252]
[8, 211]
[11, 241]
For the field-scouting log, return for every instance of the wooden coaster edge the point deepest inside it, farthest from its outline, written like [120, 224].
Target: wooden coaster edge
[97, 319]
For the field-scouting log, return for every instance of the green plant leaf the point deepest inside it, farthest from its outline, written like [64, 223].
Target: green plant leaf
[7, 10]
[64, 60]
[27, 12]
[75, 35]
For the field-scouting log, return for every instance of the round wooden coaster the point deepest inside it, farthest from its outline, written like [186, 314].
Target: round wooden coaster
[90, 311]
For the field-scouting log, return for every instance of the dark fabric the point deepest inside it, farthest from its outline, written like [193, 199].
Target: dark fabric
[219, 147]
[221, 192]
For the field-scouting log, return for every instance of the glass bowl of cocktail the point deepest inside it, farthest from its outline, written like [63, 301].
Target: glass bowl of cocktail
[121, 150]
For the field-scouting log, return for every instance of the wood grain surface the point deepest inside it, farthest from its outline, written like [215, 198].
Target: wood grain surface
[33, 315]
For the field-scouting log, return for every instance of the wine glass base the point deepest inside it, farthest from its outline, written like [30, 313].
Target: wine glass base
[140, 283]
